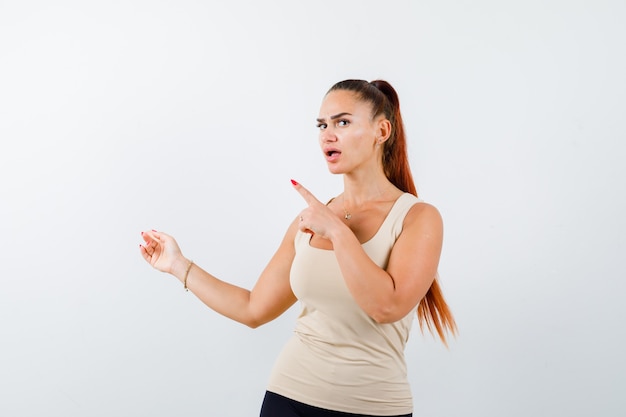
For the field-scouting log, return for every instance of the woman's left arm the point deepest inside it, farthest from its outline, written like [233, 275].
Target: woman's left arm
[386, 295]
[389, 295]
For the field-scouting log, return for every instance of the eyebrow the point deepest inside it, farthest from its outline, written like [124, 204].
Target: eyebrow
[338, 115]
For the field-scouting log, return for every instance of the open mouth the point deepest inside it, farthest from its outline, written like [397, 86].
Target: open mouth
[331, 152]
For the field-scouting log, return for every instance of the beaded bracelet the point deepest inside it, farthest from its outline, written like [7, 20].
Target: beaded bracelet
[186, 275]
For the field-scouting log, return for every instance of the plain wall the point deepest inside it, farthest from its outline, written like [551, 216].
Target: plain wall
[190, 117]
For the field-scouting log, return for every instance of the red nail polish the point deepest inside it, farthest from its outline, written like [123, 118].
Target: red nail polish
[294, 182]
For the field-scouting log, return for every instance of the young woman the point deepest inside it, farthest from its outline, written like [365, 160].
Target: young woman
[361, 265]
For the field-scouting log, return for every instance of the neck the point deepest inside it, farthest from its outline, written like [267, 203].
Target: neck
[360, 189]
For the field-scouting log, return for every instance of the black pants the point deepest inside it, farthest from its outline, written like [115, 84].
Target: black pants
[275, 405]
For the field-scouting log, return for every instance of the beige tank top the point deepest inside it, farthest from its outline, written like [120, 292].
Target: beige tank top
[339, 358]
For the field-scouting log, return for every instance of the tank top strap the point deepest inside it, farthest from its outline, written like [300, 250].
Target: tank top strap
[398, 212]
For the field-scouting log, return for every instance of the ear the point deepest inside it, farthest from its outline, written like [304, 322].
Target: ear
[383, 130]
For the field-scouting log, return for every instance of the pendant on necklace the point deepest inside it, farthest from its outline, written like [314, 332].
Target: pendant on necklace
[346, 213]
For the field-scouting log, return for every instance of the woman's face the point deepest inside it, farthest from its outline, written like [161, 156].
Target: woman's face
[348, 134]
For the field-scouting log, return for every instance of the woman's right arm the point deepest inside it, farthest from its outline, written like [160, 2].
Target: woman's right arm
[270, 297]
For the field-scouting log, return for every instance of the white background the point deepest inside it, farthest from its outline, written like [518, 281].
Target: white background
[191, 117]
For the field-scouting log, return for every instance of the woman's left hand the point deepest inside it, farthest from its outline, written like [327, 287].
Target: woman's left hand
[317, 218]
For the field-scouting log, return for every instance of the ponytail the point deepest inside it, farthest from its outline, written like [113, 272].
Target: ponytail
[432, 311]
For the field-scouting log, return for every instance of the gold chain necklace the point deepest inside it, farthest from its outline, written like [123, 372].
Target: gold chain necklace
[346, 213]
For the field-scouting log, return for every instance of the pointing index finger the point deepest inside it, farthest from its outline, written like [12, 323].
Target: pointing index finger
[306, 194]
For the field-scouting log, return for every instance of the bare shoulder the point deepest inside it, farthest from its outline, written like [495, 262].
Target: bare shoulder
[423, 216]
[290, 234]
[423, 211]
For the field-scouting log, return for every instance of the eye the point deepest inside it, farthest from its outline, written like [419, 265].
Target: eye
[321, 126]
[343, 122]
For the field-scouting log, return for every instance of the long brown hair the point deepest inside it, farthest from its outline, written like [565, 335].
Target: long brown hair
[433, 311]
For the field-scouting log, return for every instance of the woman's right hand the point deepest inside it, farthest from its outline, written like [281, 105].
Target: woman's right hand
[161, 251]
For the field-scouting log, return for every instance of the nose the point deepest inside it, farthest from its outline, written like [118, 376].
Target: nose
[327, 135]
